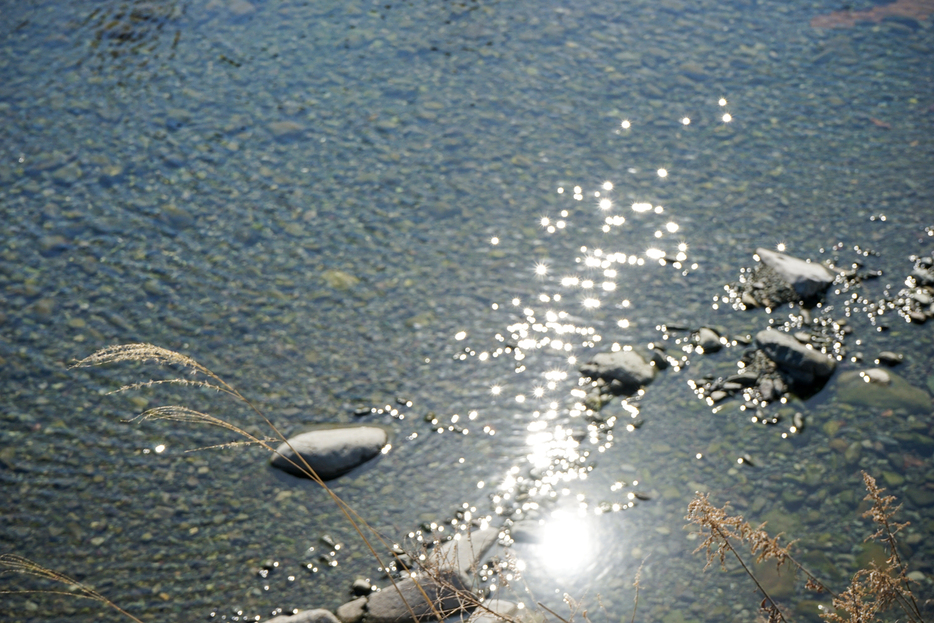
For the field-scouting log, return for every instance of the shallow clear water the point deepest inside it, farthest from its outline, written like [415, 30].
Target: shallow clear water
[304, 197]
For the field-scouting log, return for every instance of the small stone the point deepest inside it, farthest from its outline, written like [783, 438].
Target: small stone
[920, 496]
[892, 479]
[339, 280]
[718, 395]
[853, 452]
[803, 337]
[917, 317]
[361, 586]
[709, 340]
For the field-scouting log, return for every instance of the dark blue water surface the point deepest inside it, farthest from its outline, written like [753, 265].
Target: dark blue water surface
[335, 205]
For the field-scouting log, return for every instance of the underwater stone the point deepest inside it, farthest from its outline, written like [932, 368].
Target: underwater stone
[882, 389]
[331, 452]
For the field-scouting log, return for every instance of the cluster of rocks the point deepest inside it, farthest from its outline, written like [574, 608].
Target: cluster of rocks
[779, 363]
[801, 361]
[445, 582]
[916, 301]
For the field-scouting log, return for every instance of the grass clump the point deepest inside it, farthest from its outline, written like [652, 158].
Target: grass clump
[871, 592]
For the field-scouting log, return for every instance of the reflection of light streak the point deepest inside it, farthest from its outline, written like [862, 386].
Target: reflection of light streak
[727, 117]
[625, 124]
[605, 204]
[591, 303]
[541, 269]
[671, 227]
[607, 185]
[662, 172]
[641, 207]
[655, 254]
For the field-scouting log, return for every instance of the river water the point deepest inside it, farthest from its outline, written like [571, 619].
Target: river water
[342, 205]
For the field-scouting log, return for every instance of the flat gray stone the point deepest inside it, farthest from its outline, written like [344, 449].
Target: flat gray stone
[625, 366]
[808, 279]
[319, 615]
[330, 452]
[792, 355]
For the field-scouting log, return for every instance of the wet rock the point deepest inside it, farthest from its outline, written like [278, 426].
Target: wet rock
[889, 358]
[881, 389]
[709, 340]
[807, 279]
[626, 371]
[361, 586]
[330, 452]
[319, 615]
[805, 365]
[352, 611]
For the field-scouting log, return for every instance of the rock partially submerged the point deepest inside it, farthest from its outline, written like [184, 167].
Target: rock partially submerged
[806, 366]
[881, 389]
[781, 278]
[452, 565]
[330, 452]
[625, 371]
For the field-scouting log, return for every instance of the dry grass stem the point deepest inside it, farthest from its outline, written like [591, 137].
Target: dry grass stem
[12, 563]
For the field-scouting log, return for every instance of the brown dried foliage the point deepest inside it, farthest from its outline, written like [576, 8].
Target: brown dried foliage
[871, 591]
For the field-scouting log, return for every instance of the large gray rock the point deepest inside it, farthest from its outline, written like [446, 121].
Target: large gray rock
[808, 279]
[330, 451]
[452, 565]
[626, 367]
[307, 616]
[805, 364]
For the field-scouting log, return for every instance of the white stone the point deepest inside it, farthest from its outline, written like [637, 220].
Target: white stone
[330, 452]
[807, 278]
